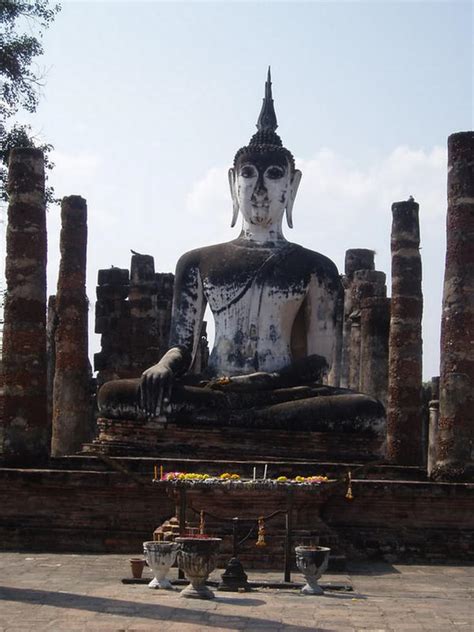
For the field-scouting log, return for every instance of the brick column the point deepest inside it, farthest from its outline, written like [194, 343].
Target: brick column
[354, 350]
[112, 320]
[454, 453]
[375, 326]
[404, 410]
[71, 388]
[26, 429]
[144, 342]
[365, 284]
[51, 323]
[355, 259]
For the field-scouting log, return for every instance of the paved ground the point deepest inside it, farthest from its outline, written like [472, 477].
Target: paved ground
[68, 593]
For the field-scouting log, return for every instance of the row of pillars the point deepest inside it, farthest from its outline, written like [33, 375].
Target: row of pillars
[32, 427]
[382, 338]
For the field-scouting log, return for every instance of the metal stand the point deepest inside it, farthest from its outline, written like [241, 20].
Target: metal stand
[234, 578]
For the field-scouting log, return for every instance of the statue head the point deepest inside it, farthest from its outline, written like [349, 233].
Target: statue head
[263, 180]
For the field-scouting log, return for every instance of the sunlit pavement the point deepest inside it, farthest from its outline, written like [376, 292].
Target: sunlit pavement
[68, 593]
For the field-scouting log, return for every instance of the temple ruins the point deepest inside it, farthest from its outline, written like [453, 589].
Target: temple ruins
[311, 372]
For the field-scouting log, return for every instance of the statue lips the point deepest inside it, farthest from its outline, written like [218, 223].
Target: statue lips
[260, 214]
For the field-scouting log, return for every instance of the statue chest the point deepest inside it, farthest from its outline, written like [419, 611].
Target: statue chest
[251, 297]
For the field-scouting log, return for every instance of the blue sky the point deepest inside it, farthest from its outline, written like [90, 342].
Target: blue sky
[146, 104]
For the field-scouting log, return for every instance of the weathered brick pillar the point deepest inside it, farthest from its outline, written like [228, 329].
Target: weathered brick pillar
[355, 259]
[334, 377]
[71, 389]
[404, 410]
[144, 342]
[433, 423]
[26, 429]
[165, 285]
[375, 327]
[365, 284]
[455, 441]
[354, 349]
[51, 323]
[112, 320]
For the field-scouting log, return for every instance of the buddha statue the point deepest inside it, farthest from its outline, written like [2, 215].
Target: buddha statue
[275, 306]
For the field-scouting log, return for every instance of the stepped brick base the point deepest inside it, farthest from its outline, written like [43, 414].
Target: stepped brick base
[123, 437]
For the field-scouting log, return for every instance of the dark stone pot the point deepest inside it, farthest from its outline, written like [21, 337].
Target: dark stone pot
[197, 558]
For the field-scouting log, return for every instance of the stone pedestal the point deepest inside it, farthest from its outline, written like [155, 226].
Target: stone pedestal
[455, 456]
[72, 424]
[26, 429]
[404, 410]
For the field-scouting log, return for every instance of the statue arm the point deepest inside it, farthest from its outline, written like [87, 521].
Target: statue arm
[322, 302]
[186, 322]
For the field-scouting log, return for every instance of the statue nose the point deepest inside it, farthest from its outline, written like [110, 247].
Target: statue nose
[260, 188]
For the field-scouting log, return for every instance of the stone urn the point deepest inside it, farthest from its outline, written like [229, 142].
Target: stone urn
[160, 556]
[197, 557]
[312, 562]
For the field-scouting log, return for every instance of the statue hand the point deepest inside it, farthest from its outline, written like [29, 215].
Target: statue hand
[155, 389]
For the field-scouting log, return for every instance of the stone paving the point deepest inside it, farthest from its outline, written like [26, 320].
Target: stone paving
[69, 593]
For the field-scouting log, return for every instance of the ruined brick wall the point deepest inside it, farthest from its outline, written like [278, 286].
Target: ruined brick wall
[109, 512]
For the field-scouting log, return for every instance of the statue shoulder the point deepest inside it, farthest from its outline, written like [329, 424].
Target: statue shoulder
[318, 265]
[194, 258]
[316, 261]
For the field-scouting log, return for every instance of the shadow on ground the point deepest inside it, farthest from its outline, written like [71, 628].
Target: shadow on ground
[149, 611]
[371, 568]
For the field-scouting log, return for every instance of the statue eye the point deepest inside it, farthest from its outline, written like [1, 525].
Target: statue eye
[248, 172]
[275, 173]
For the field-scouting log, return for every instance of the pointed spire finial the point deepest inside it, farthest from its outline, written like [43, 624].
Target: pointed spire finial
[267, 120]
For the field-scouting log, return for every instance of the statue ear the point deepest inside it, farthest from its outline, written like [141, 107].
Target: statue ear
[233, 193]
[295, 183]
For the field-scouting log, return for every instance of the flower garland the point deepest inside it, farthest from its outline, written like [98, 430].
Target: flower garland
[228, 476]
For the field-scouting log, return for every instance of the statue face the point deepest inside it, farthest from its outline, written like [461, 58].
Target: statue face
[262, 187]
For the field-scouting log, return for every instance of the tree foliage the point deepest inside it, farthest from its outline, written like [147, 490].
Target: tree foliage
[22, 136]
[22, 23]
[21, 81]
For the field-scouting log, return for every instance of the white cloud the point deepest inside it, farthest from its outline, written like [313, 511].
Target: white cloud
[73, 169]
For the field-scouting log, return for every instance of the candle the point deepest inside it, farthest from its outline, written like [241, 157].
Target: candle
[161, 472]
[265, 471]
[254, 473]
[155, 472]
